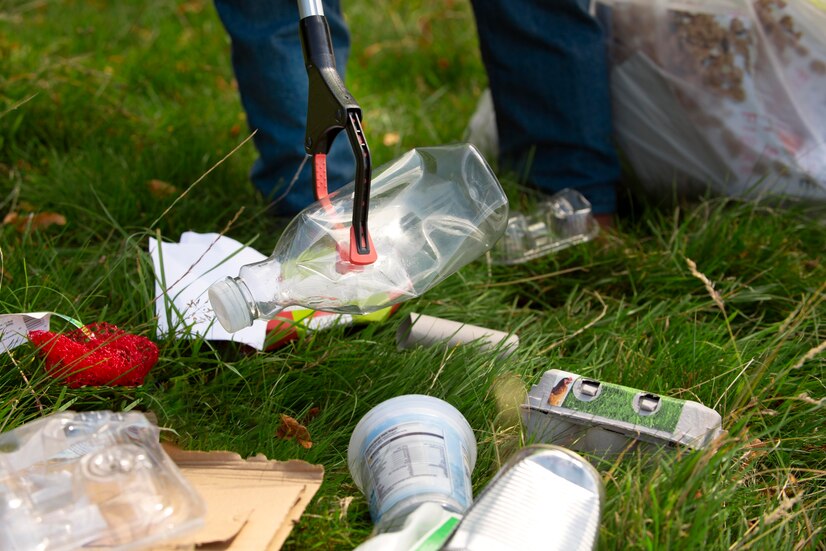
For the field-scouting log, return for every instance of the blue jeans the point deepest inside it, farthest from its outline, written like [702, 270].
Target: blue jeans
[548, 75]
[269, 67]
[547, 68]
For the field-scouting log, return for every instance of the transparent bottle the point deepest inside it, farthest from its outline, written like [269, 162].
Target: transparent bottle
[432, 211]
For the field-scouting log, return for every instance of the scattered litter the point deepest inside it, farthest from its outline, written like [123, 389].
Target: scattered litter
[296, 323]
[251, 504]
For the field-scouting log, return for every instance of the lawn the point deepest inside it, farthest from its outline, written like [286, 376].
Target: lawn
[121, 117]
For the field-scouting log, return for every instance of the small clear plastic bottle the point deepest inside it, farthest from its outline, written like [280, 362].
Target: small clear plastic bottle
[432, 211]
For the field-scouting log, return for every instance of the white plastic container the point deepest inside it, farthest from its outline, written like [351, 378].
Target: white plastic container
[411, 450]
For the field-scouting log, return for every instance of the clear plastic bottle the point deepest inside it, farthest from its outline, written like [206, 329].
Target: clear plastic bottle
[432, 211]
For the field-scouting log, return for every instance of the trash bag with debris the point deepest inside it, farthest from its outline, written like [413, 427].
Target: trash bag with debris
[726, 94]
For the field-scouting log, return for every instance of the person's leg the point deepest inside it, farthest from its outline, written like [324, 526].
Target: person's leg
[269, 67]
[548, 74]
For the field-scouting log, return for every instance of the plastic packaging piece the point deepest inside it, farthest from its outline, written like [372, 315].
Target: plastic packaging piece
[604, 418]
[411, 450]
[420, 330]
[726, 94]
[427, 527]
[560, 221]
[545, 497]
[432, 211]
[296, 323]
[74, 480]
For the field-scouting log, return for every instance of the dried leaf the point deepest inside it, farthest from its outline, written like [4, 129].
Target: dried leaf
[160, 189]
[290, 428]
[39, 221]
[391, 139]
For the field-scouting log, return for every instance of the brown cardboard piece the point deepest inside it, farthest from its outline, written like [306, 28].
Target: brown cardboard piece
[252, 504]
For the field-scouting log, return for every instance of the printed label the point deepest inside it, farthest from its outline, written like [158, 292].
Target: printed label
[14, 328]
[411, 459]
[408, 455]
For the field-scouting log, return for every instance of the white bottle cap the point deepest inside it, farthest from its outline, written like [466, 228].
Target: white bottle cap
[230, 305]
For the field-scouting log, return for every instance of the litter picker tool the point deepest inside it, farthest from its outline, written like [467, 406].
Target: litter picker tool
[331, 109]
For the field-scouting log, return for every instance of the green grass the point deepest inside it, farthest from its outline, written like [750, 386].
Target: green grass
[99, 97]
[616, 402]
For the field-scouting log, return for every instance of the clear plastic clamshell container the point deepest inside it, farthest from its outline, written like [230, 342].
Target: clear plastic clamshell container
[562, 220]
[91, 480]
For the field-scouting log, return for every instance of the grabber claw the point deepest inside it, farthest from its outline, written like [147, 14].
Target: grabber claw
[331, 109]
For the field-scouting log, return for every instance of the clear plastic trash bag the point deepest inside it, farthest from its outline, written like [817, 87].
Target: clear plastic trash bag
[726, 94]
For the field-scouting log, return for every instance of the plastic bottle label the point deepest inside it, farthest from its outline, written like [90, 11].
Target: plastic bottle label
[406, 452]
[415, 458]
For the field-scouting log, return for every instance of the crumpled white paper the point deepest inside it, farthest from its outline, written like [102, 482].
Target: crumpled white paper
[183, 273]
[14, 328]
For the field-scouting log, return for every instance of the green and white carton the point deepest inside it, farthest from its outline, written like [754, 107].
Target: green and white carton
[592, 416]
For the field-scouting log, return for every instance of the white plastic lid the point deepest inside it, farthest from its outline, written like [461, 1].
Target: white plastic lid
[229, 305]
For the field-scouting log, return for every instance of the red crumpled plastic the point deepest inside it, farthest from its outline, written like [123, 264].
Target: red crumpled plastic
[95, 355]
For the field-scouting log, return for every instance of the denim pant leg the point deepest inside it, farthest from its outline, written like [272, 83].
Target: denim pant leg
[272, 80]
[548, 74]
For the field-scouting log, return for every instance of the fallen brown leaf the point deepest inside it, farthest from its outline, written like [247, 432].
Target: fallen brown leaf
[290, 428]
[160, 189]
[39, 221]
